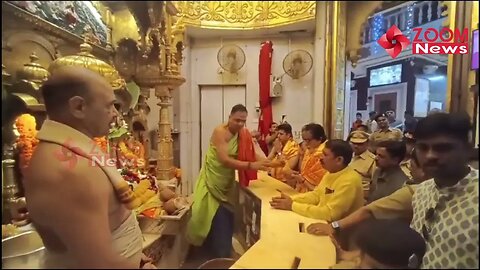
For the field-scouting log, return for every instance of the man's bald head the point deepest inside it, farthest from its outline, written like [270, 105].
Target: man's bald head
[80, 98]
[66, 83]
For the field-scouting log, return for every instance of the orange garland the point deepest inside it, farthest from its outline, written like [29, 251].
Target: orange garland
[102, 143]
[27, 141]
[129, 154]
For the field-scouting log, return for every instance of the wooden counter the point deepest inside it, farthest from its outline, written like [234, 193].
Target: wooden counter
[280, 239]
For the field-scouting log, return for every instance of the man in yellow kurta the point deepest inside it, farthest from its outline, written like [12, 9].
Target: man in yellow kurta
[211, 224]
[311, 169]
[339, 194]
[284, 154]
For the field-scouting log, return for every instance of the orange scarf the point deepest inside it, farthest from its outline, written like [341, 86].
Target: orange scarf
[246, 152]
[312, 170]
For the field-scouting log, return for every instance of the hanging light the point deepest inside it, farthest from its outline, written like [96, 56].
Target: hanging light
[410, 17]
[378, 31]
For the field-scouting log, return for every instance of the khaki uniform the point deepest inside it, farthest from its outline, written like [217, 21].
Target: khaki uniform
[386, 182]
[391, 134]
[405, 166]
[364, 164]
[396, 206]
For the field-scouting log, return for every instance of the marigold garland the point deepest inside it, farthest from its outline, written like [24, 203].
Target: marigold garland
[102, 143]
[26, 141]
[129, 154]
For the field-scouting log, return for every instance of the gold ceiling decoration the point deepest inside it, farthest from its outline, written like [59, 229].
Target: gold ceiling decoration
[87, 60]
[243, 14]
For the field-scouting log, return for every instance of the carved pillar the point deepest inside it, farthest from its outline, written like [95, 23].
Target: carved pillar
[357, 18]
[144, 96]
[165, 141]
[158, 68]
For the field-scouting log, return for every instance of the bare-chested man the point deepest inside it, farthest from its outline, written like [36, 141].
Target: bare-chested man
[211, 225]
[72, 203]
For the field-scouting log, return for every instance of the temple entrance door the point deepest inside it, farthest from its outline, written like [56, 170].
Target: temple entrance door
[216, 101]
[389, 97]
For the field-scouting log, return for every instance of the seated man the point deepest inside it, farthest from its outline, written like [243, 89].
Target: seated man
[284, 154]
[338, 194]
[443, 209]
[363, 161]
[311, 170]
[395, 206]
[388, 177]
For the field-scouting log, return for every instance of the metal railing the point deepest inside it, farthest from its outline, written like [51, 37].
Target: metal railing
[423, 12]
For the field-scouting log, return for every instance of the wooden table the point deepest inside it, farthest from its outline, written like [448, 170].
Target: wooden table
[280, 239]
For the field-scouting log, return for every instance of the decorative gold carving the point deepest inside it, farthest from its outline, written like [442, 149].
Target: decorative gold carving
[340, 75]
[357, 15]
[6, 77]
[244, 14]
[335, 76]
[124, 26]
[87, 60]
[153, 62]
[33, 71]
[48, 27]
[451, 8]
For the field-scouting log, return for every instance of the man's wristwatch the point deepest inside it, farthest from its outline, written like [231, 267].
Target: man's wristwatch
[335, 226]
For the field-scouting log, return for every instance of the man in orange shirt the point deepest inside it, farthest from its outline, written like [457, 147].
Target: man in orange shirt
[284, 153]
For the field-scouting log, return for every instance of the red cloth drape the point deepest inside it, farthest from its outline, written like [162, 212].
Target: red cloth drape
[264, 72]
[246, 152]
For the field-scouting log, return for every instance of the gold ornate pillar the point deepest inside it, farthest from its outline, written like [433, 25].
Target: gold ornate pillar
[335, 59]
[357, 17]
[165, 141]
[158, 68]
[459, 96]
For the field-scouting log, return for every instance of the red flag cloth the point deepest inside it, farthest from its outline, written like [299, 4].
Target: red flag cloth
[264, 71]
[246, 152]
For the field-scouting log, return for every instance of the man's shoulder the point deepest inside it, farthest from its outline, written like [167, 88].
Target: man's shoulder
[400, 174]
[50, 169]
[395, 130]
[351, 176]
[473, 175]
[368, 155]
[220, 129]
[472, 181]
[424, 186]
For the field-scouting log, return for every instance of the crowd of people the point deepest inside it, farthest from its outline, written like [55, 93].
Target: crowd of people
[405, 186]
[390, 199]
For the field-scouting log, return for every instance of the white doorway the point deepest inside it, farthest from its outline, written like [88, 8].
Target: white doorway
[216, 101]
[390, 97]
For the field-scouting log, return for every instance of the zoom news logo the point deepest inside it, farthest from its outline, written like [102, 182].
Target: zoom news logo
[393, 41]
[430, 41]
